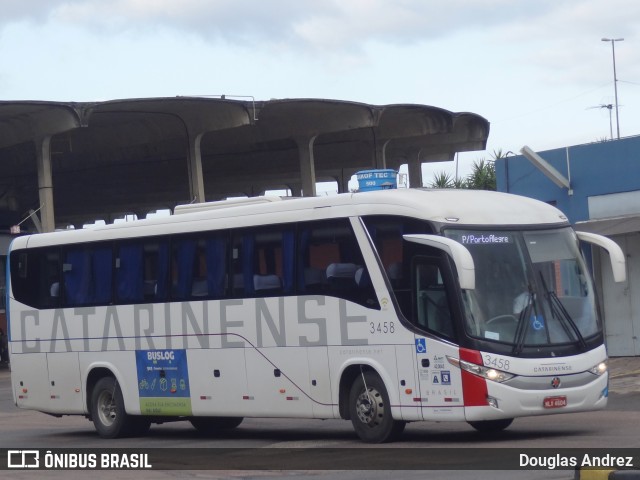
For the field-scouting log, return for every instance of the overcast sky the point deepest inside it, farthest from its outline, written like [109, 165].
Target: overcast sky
[537, 70]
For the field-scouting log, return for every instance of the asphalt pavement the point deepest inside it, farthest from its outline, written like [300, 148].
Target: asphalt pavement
[624, 374]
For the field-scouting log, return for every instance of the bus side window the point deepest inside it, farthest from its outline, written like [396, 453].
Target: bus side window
[209, 268]
[263, 262]
[182, 266]
[157, 265]
[330, 263]
[35, 277]
[267, 274]
[215, 249]
[237, 275]
[386, 231]
[199, 267]
[142, 271]
[49, 292]
[3, 286]
[129, 273]
[87, 274]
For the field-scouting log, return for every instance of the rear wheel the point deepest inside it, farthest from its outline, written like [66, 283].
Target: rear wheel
[107, 410]
[491, 426]
[208, 425]
[370, 410]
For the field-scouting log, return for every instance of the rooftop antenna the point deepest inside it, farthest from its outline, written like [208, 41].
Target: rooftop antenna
[608, 106]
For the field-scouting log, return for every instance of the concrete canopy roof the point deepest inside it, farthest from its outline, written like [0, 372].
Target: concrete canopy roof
[138, 155]
[23, 121]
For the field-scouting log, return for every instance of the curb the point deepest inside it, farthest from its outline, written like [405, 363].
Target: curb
[625, 374]
[609, 474]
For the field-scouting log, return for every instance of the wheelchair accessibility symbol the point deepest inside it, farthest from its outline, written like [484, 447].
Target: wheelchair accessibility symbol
[537, 322]
[421, 345]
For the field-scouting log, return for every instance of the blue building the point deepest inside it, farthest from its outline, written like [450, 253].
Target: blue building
[602, 196]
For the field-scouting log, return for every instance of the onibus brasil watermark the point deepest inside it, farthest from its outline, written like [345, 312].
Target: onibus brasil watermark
[35, 459]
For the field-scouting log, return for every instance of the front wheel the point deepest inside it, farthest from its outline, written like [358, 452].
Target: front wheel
[370, 410]
[107, 410]
[491, 426]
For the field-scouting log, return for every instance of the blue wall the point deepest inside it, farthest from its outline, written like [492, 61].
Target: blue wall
[596, 169]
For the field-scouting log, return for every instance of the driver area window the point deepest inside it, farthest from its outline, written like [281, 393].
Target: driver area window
[432, 310]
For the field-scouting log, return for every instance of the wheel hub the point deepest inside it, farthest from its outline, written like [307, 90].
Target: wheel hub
[369, 407]
[107, 409]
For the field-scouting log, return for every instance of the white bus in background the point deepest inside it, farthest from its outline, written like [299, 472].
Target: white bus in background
[381, 307]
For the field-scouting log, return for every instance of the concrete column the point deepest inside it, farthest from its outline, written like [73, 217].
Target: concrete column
[45, 184]
[307, 165]
[414, 167]
[196, 181]
[380, 159]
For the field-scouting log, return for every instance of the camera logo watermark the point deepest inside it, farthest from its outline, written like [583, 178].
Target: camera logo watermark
[23, 458]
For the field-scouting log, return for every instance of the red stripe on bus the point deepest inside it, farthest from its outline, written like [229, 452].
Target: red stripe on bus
[474, 388]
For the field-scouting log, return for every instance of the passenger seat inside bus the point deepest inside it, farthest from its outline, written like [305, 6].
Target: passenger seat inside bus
[394, 272]
[342, 275]
[267, 283]
[200, 288]
[150, 289]
[362, 278]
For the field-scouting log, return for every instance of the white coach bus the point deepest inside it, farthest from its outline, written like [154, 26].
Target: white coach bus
[381, 307]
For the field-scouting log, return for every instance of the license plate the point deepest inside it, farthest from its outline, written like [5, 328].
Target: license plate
[555, 402]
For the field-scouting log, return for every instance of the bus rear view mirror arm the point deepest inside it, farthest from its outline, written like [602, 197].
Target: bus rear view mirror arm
[461, 256]
[616, 255]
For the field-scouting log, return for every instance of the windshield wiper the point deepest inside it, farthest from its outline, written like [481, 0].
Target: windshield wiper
[521, 329]
[564, 317]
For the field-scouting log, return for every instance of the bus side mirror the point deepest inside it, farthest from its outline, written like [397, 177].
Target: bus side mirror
[616, 255]
[462, 258]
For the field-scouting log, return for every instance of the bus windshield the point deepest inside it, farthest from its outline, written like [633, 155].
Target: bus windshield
[532, 288]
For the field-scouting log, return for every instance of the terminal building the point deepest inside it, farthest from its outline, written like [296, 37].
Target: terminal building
[76, 162]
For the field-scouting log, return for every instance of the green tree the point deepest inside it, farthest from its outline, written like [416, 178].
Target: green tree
[442, 180]
[483, 175]
[445, 180]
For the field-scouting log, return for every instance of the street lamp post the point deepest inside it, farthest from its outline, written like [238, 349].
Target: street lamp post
[615, 78]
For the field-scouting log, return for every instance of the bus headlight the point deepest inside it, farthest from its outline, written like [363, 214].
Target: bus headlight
[599, 369]
[481, 371]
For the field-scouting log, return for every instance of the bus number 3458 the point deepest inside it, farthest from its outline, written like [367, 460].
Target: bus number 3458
[381, 327]
[496, 362]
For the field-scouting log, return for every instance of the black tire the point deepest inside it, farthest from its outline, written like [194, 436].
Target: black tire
[107, 410]
[208, 425]
[370, 410]
[491, 426]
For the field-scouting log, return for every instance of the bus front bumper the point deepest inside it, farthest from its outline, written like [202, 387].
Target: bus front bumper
[504, 401]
